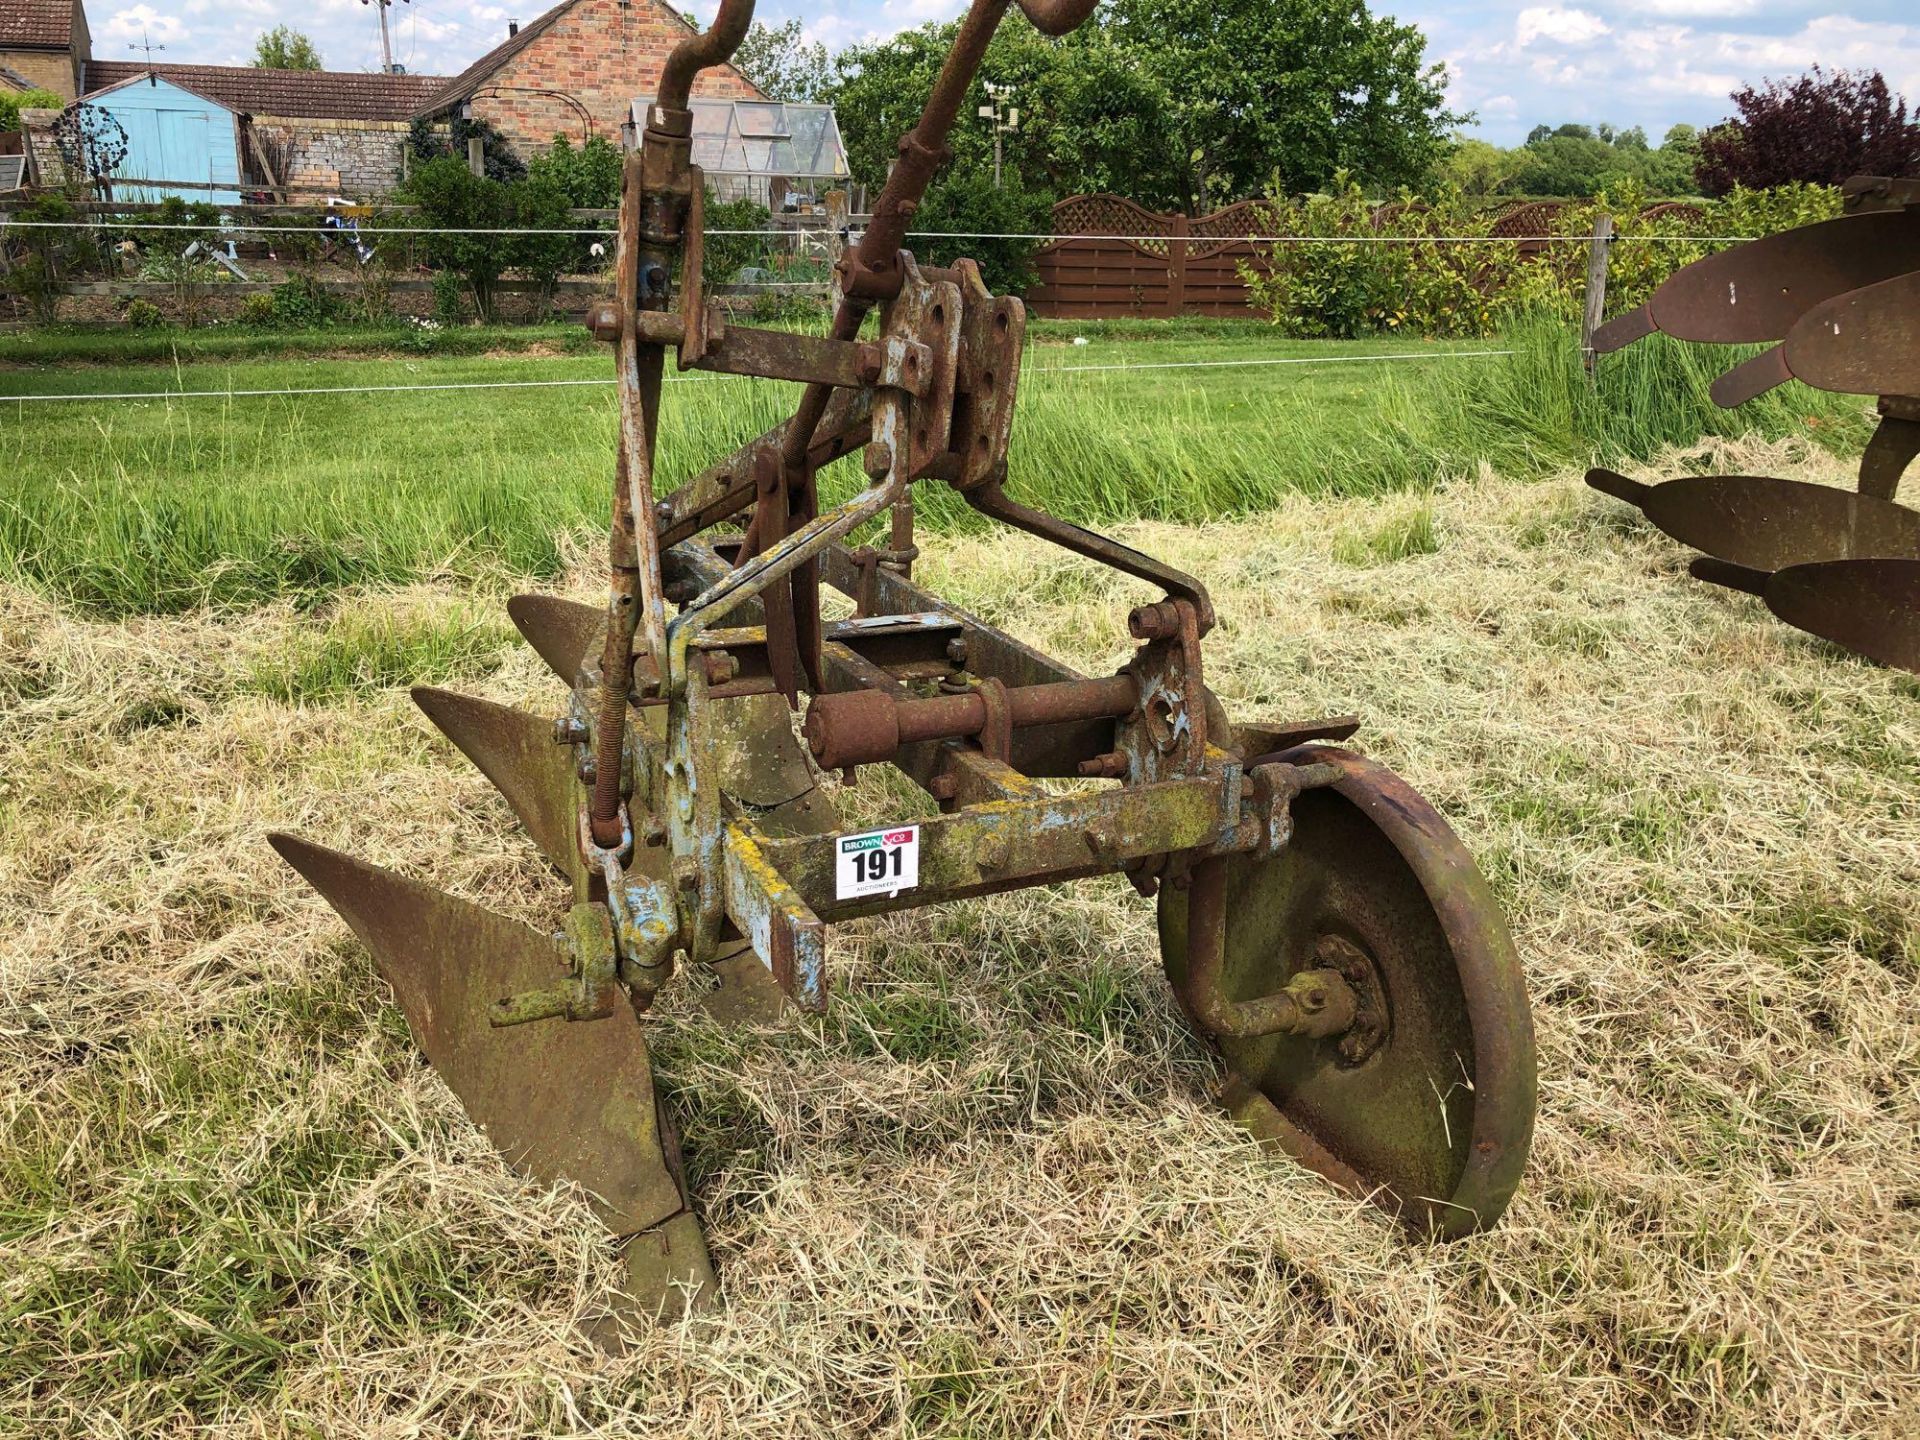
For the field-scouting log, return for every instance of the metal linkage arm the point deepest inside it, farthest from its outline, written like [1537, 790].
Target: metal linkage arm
[991, 500]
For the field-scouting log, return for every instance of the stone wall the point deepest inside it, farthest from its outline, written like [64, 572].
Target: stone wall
[357, 158]
[602, 53]
[44, 165]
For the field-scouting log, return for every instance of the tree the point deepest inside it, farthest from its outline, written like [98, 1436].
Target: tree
[1818, 129]
[1295, 91]
[1287, 92]
[1478, 168]
[283, 48]
[781, 64]
[1578, 161]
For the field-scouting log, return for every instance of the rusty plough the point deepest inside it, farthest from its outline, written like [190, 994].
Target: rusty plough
[1319, 921]
[1838, 303]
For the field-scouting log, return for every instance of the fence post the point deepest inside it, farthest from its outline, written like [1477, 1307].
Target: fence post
[1177, 264]
[476, 155]
[1596, 288]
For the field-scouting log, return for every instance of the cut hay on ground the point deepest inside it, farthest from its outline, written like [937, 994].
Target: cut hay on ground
[988, 1196]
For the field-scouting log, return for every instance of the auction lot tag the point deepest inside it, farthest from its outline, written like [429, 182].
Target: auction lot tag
[880, 862]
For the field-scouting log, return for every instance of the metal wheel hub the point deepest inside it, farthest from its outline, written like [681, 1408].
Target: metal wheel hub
[1425, 1101]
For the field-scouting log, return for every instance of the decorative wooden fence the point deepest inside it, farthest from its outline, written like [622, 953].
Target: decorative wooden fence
[1116, 259]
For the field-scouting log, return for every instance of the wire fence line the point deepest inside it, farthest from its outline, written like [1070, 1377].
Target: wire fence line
[1029, 371]
[374, 231]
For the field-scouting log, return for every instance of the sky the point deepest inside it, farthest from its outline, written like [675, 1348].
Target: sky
[1652, 63]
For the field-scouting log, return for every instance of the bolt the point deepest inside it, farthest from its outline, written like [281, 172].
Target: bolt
[877, 459]
[603, 321]
[1113, 765]
[957, 650]
[993, 852]
[721, 667]
[943, 787]
[568, 731]
[1154, 622]
[588, 771]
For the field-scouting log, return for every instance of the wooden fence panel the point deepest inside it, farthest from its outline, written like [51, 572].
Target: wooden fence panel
[1122, 260]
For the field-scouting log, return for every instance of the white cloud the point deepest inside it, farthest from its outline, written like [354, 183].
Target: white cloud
[1559, 26]
[1696, 9]
[143, 22]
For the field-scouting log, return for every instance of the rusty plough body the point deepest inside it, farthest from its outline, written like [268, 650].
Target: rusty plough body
[1319, 921]
[1838, 303]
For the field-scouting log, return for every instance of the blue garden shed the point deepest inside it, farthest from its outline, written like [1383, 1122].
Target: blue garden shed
[173, 134]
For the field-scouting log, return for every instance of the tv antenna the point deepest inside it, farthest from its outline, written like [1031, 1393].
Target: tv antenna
[146, 44]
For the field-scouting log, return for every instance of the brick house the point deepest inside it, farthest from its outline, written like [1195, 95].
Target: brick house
[576, 71]
[44, 45]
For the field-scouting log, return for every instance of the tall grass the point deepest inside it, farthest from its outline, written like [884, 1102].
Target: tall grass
[176, 505]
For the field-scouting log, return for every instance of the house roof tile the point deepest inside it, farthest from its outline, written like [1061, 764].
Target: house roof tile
[36, 24]
[314, 94]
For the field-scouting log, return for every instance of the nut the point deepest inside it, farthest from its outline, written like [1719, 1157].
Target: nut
[603, 321]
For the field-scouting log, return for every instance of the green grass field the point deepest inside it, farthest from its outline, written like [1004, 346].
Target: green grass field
[988, 1194]
[156, 505]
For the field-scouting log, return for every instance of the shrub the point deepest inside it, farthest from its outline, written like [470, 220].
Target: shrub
[257, 310]
[590, 176]
[426, 144]
[969, 207]
[486, 213]
[47, 256]
[1384, 270]
[727, 255]
[145, 315]
[12, 103]
[300, 302]
[783, 307]
[449, 305]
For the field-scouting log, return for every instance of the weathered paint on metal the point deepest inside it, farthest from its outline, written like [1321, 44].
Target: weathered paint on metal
[988, 845]
[1766, 523]
[1436, 1121]
[561, 1101]
[784, 931]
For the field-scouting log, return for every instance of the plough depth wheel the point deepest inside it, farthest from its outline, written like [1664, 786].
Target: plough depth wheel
[1425, 1099]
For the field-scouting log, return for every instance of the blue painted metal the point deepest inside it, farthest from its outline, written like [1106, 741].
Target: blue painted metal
[174, 134]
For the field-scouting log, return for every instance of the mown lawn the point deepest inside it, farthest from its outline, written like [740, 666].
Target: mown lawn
[988, 1194]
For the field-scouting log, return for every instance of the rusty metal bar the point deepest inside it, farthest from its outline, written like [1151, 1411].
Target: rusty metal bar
[713, 46]
[1008, 844]
[991, 501]
[1313, 1002]
[729, 487]
[864, 727]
